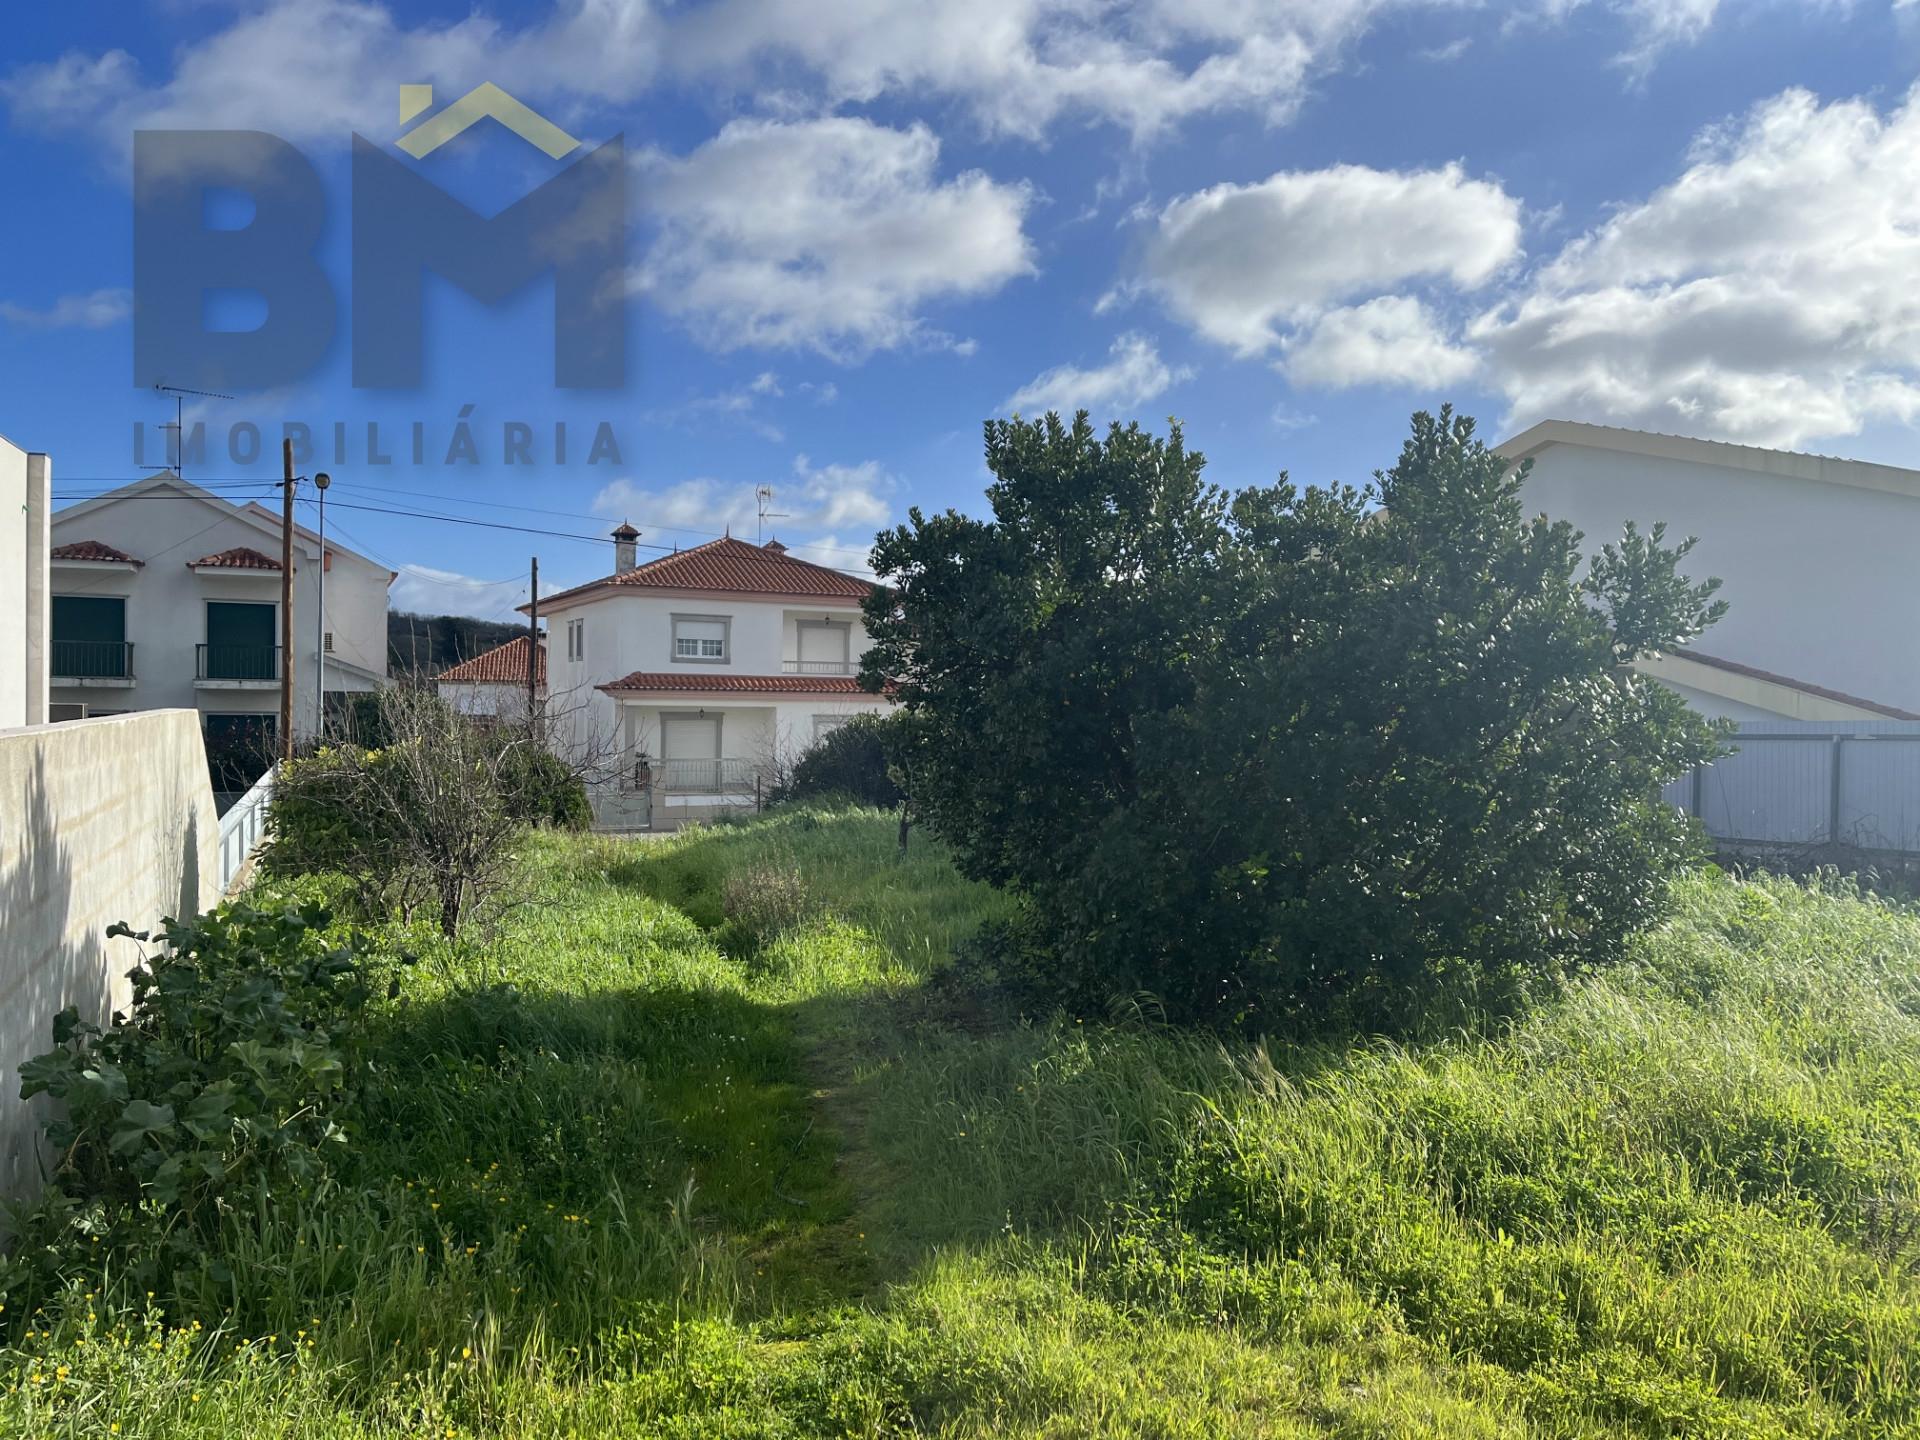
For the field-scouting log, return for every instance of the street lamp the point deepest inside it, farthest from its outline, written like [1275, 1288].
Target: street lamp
[320, 482]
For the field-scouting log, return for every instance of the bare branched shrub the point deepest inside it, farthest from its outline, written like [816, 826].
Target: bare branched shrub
[431, 814]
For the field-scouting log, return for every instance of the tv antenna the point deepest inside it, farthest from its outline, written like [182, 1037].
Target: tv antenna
[180, 393]
[764, 511]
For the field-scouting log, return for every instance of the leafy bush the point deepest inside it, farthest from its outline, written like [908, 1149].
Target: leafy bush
[1291, 751]
[234, 1081]
[544, 790]
[318, 822]
[851, 763]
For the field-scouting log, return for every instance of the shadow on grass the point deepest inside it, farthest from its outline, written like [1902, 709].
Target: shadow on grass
[681, 1116]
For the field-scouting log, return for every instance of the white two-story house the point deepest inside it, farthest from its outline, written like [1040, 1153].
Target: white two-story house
[1815, 556]
[163, 595]
[702, 672]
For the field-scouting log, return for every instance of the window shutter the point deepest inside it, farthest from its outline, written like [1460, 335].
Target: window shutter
[826, 643]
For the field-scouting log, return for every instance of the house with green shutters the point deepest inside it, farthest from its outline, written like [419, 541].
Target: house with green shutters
[164, 595]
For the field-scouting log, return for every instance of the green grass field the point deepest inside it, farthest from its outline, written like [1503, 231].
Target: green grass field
[643, 1162]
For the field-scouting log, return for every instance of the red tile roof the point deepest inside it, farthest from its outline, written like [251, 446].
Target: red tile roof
[731, 567]
[93, 550]
[240, 557]
[503, 665]
[644, 680]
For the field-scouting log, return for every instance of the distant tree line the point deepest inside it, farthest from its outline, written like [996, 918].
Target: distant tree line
[421, 646]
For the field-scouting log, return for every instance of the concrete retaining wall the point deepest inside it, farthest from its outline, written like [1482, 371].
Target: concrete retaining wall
[100, 820]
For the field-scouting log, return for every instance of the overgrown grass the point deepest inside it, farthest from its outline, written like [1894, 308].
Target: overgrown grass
[684, 1149]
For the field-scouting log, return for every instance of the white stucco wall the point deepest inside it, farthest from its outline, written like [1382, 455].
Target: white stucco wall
[1818, 576]
[100, 820]
[633, 631]
[765, 733]
[166, 605]
[484, 698]
[25, 481]
[1719, 707]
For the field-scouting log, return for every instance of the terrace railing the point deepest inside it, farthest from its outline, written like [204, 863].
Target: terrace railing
[710, 777]
[92, 659]
[236, 662]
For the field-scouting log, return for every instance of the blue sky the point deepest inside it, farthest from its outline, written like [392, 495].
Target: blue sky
[862, 226]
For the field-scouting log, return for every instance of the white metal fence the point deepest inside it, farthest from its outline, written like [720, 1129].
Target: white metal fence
[1803, 784]
[242, 827]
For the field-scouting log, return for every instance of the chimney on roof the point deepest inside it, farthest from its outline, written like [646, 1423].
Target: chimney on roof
[624, 540]
[776, 547]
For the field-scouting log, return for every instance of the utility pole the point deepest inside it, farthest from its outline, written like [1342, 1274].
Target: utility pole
[320, 483]
[533, 642]
[286, 602]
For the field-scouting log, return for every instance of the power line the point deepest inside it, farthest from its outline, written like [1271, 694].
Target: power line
[487, 524]
[382, 490]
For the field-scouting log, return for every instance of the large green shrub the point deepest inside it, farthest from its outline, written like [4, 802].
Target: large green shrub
[233, 1081]
[1292, 749]
[542, 789]
[850, 763]
[320, 821]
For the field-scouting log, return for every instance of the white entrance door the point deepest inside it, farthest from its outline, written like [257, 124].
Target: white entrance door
[690, 751]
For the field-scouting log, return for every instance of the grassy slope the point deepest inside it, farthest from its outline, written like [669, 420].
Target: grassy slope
[684, 1184]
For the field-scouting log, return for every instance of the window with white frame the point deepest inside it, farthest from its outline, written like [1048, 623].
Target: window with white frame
[576, 639]
[700, 639]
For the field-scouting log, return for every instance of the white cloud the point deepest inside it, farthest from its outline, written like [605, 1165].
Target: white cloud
[701, 507]
[1017, 67]
[1391, 340]
[424, 590]
[1134, 374]
[821, 499]
[740, 404]
[1653, 26]
[93, 311]
[832, 496]
[1765, 295]
[349, 56]
[1021, 65]
[1243, 264]
[829, 234]
[1658, 24]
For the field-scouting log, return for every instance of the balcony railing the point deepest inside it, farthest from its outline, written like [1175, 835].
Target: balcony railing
[706, 777]
[236, 662]
[820, 667]
[93, 659]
